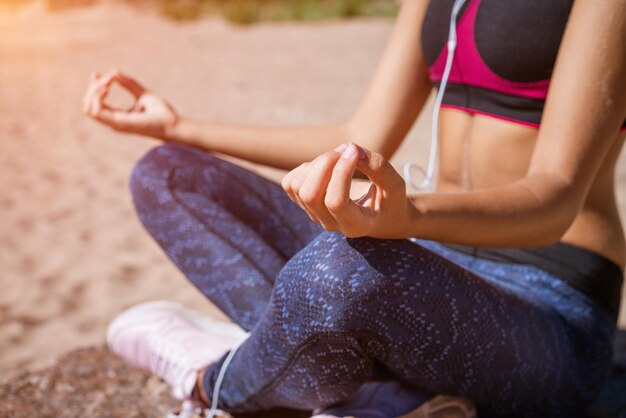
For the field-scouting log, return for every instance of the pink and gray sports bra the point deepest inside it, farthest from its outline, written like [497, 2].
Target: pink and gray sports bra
[505, 54]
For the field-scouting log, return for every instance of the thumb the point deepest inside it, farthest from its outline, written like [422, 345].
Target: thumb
[380, 171]
[118, 119]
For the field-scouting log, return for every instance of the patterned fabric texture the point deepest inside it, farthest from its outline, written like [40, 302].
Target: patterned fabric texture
[326, 312]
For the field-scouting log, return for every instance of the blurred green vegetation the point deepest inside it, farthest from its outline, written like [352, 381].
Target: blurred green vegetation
[245, 12]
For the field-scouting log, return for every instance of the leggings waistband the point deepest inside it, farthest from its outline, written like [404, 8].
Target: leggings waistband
[591, 273]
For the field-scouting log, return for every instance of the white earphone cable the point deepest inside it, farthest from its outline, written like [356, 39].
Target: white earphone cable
[220, 378]
[428, 182]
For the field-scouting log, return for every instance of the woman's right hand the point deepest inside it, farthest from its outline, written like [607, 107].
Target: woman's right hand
[150, 115]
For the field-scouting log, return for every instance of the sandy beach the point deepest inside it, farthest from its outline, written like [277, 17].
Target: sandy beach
[72, 252]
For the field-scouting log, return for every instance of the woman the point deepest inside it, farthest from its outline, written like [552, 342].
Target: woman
[516, 311]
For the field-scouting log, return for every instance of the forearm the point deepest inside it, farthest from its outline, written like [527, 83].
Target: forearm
[283, 148]
[583, 113]
[534, 211]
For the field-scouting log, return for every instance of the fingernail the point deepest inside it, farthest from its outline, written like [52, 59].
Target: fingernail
[341, 148]
[350, 152]
[362, 153]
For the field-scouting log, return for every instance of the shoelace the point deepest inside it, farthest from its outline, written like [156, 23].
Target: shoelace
[220, 377]
[164, 350]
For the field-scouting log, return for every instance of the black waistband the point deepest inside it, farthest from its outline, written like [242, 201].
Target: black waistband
[591, 273]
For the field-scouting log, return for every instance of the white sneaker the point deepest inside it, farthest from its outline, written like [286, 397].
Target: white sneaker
[171, 341]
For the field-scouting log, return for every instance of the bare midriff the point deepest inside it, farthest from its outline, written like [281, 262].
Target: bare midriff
[481, 152]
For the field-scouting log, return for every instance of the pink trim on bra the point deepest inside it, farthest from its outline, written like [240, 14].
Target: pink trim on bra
[470, 69]
[504, 118]
[492, 115]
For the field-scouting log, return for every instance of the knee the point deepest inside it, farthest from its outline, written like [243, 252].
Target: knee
[153, 172]
[157, 164]
[149, 175]
[330, 284]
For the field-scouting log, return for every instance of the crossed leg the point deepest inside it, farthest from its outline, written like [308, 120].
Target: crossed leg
[227, 229]
[323, 308]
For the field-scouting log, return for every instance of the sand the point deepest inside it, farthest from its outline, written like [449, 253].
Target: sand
[72, 252]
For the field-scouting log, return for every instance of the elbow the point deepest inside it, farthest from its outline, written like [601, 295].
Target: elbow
[551, 233]
[559, 204]
[559, 224]
[546, 230]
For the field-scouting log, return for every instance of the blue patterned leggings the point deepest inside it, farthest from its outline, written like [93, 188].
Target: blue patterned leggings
[326, 312]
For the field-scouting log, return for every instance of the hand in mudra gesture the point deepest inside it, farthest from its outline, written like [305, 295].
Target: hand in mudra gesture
[149, 115]
[322, 188]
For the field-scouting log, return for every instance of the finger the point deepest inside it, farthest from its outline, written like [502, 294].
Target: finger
[289, 182]
[296, 183]
[91, 86]
[287, 179]
[116, 119]
[313, 189]
[96, 105]
[337, 199]
[96, 102]
[107, 78]
[132, 85]
[368, 197]
[98, 87]
[376, 167]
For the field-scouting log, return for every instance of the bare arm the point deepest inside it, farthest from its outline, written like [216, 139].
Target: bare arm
[276, 147]
[585, 107]
[395, 97]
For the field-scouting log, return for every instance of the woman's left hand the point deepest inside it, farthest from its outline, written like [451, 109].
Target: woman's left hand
[322, 188]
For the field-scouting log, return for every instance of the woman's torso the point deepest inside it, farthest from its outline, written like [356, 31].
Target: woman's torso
[480, 146]
[499, 153]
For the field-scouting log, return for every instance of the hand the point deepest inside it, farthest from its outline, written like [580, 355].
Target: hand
[150, 115]
[322, 188]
